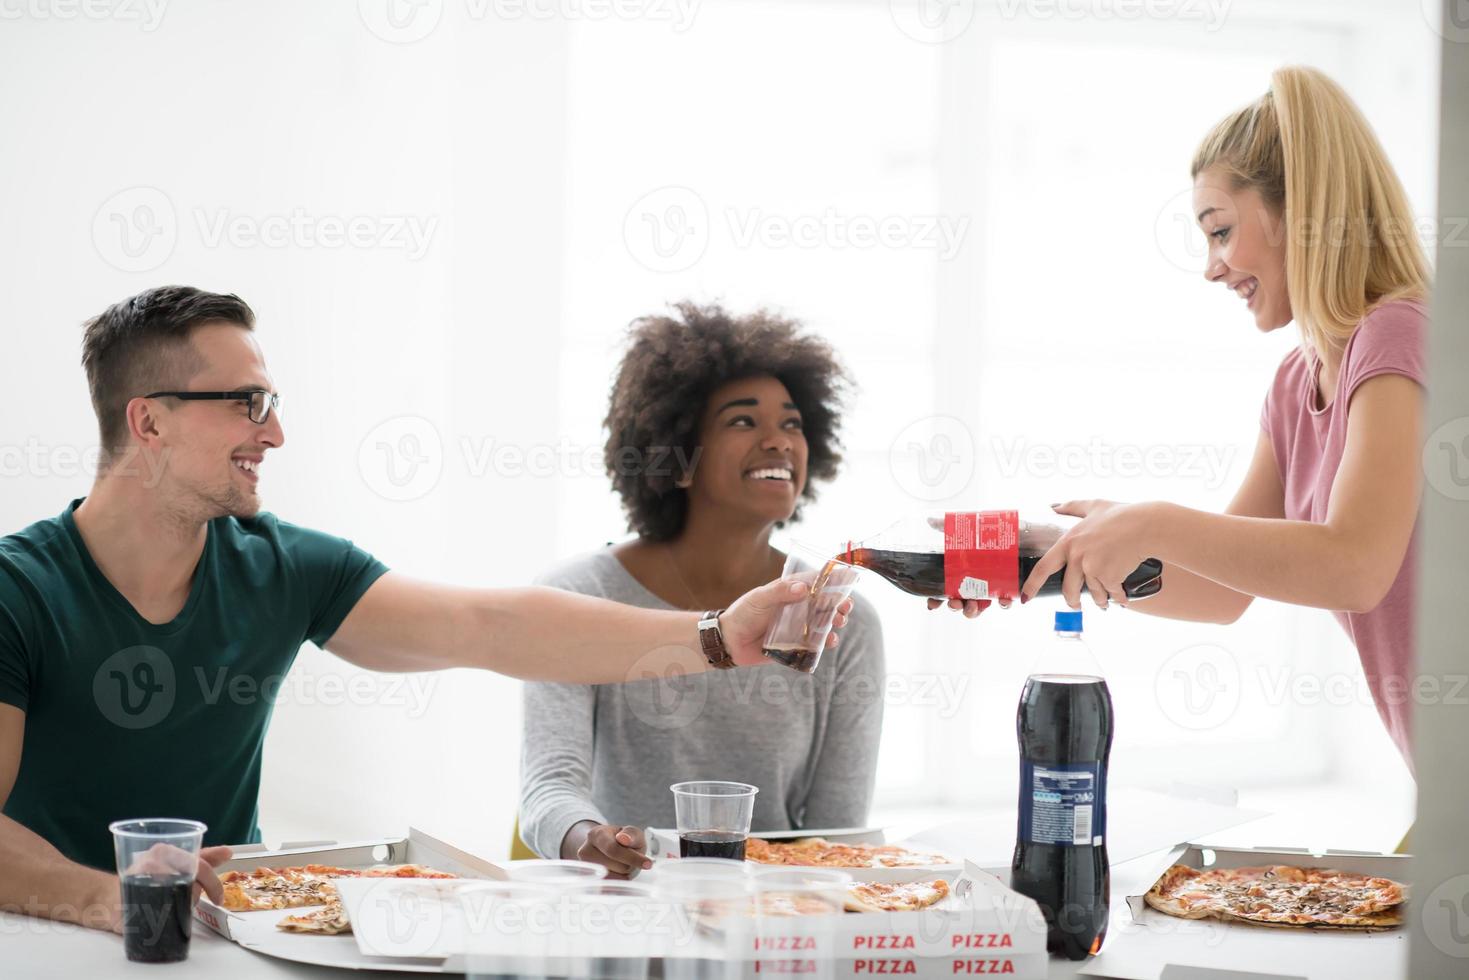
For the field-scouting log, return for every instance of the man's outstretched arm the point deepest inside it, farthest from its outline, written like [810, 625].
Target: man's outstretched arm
[541, 634]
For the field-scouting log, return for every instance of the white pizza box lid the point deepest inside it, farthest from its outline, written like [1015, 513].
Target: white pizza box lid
[983, 928]
[1155, 946]
[257, 930]
[663, 846]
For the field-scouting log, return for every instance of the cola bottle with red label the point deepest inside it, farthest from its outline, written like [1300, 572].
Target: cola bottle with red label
[984, 554]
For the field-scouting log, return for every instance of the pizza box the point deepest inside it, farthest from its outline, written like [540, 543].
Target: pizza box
[257, 931]
[663, 845]
[1155, 946]
[981, 919]
[983, 928]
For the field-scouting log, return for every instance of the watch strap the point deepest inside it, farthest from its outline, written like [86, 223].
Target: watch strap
[711, 641]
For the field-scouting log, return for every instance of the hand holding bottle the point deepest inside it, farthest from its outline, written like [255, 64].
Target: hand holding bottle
[969, 559]
[1097, 554]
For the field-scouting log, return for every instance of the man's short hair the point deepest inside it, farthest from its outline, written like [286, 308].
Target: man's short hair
[142, 344]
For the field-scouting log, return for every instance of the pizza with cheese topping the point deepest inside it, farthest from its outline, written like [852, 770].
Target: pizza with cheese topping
[818, 852]
[329, 920]
[266, 889]
[908, 896]
[1281, 896]
[275, 888]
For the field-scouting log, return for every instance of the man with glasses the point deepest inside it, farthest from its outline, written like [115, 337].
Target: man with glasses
[128, 621]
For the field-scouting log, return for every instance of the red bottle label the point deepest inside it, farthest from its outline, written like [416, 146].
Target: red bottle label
[982, 554]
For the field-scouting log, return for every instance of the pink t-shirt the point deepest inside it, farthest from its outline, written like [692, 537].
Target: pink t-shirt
[1308, 443]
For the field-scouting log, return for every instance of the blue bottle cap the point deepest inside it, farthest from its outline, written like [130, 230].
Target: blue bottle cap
[1069, 621]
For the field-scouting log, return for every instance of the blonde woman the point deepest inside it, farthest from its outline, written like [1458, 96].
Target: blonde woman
[1306, 222]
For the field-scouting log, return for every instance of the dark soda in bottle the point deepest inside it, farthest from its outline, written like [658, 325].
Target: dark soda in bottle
[1064, 726]
[974, 555]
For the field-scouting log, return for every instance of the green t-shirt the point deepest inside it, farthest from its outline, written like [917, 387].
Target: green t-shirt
[128, 719]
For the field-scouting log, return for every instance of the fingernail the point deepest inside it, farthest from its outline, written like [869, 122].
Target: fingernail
[797, 588]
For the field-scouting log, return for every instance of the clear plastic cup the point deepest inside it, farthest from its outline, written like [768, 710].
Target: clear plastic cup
[611, 891]
[612, 929]
[711, 917]
[822, 890]
[798, 636]
[713, 818]
[556, 873]
[157, 862]
[795, 913]
[699, 867]
[510, 928]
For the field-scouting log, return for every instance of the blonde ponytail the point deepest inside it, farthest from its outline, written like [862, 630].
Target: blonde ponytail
[1351, 242]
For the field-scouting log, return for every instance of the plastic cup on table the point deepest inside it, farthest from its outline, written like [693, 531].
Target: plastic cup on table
[713, 818]
[157, 862]
[556, 873]
[797, 909]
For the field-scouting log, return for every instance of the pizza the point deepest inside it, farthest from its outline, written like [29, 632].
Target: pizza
[1281, 896]
[908, 896]
[329, 920]
[772, 904]
[266, 889]
[821, 853]
[861, 896]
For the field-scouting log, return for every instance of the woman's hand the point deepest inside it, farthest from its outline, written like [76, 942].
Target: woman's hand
[970, 607]
[621, 850]
[1033, 537]
[1098, 553]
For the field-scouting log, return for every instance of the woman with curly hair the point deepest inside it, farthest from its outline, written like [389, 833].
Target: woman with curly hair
[718, 427]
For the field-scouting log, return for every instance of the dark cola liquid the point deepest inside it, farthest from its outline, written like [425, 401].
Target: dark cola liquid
[796, 658]
[157, 915]
[921, 573]
[804, 654]
[1065, 721]
[712, 844]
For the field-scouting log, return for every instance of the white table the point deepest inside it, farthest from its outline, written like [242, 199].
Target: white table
[36, 948]
[43, 949]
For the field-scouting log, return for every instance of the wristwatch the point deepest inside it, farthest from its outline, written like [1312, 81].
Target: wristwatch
[711, 641]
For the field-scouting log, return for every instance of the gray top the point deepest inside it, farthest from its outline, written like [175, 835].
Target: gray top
[609, 752]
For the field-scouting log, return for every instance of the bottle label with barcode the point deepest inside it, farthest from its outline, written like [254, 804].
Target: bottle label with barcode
[1063, 804]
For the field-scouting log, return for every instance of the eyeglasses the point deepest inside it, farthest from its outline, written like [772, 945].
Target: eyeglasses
[262, 403]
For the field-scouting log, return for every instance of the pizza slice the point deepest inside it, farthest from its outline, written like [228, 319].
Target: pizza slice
[909, 896]
[265, 889]
[821, 853]
[329, 920]
[405, 871]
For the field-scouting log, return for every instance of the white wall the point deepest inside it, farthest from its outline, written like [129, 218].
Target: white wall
[509, 171]
[1441, 866]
